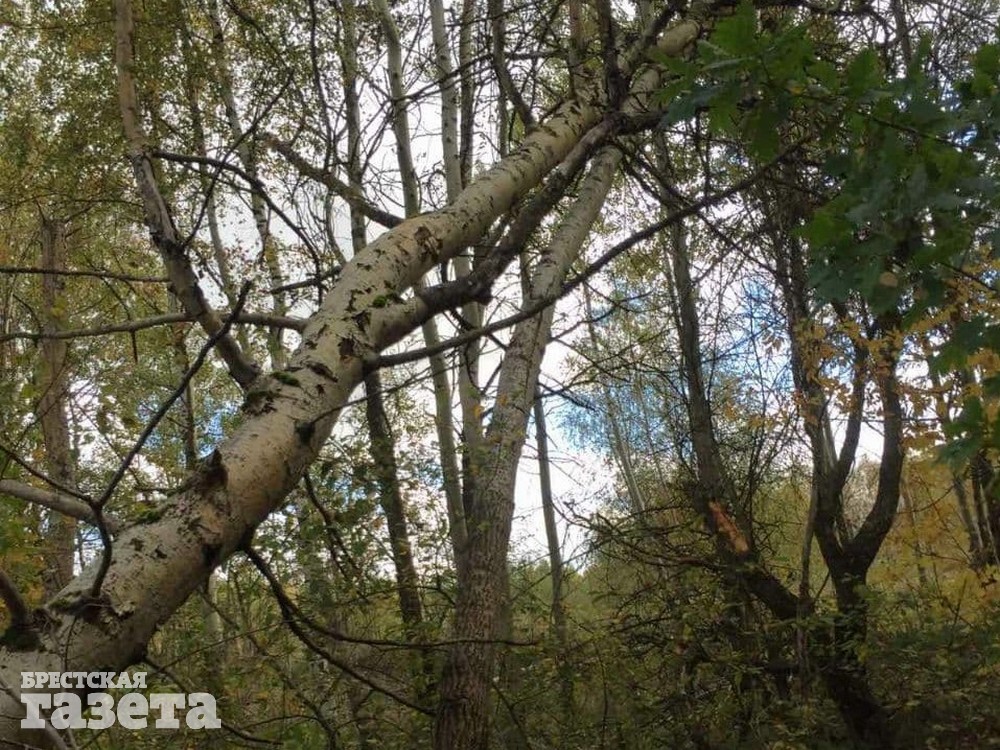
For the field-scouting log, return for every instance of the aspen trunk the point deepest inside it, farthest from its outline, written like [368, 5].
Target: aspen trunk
[462, 720]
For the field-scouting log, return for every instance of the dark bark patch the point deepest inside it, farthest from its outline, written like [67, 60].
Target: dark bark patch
[346, 348]
[151, 514]
[286, 378]
[211, 554]
[259, 400]
[20, 638]
[213, 474]
[322, 370]
[305, 431]
[95, 610]
[430, 246]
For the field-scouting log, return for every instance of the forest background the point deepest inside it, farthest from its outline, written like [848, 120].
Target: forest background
[306, 306]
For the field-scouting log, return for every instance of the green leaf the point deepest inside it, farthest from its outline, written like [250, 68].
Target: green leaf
[862, 74]
[686, 105]
[763, 128]
[737, 34]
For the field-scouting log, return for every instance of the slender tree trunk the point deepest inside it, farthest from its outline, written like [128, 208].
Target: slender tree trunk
[443, 408]
[469, 395]
[918, 547]
[463, 713]
[451, 102]
[558, 609]
[321, 583]
[200, 142]
[383, 443]
[213, 661]
[972, 530]
[383, 453]
[979, 504]
[268, 243]
[619, 448]
[60, 530]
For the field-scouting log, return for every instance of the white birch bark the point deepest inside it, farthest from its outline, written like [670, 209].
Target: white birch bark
[444, 414]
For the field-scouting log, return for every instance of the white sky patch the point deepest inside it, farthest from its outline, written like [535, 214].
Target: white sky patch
[581, 481]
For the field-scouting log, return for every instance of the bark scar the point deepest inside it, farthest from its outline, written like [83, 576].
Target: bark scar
[725, 526]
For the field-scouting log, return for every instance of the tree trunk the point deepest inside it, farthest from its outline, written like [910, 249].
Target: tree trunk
[268, 242]
[972, 530]
[555, 565]
[53, 382]
[383, 453]
[462, 719]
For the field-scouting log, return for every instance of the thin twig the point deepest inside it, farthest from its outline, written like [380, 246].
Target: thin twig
[308, 642]
[166, 672]
[104, 275]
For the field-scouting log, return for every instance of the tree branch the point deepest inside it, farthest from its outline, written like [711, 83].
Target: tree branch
[68, 506]
[158, 217]
[439, 298]
[92, 274]
[131, 326]
[353, 197]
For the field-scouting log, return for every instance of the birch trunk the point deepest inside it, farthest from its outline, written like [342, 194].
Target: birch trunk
[444, 413]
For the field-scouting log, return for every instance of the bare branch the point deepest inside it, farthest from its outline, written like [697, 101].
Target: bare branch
[68, 506]
[131, 326]
[350, 195]
[92, 274]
